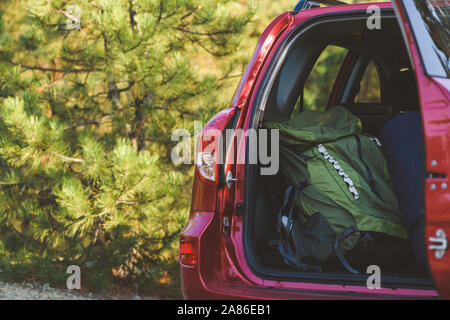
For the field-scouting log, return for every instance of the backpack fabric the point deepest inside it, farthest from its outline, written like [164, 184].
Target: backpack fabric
[340, 192]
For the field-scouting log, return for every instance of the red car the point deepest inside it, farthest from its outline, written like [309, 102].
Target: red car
[225, 250]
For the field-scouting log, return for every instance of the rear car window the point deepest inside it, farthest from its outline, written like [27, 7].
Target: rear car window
[370, 89]
[320, 82]
[430, 21]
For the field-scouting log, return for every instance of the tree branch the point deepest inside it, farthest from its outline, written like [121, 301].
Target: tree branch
[68, 159]
[86, 123]
[51, 69]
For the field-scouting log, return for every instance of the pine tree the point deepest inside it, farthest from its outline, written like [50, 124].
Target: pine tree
[86, 115]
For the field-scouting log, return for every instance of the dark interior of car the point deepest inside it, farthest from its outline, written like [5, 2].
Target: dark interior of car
[386, 50]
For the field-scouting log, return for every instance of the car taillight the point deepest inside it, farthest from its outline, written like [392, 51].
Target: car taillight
[206, 164]
[209, 147]
[188, 252]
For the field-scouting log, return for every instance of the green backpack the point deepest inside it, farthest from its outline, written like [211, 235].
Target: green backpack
[340, 193]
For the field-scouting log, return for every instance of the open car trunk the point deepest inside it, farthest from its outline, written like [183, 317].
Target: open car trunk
[262, 250]
[280, 96]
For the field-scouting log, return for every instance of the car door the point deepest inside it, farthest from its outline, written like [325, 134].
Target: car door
[425, 26]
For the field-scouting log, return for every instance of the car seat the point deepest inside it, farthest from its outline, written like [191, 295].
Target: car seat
[403, 146]
[401, 91]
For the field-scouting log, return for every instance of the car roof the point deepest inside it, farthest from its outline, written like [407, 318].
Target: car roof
[343, 7]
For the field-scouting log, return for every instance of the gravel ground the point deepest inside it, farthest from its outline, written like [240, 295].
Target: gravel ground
[29, 291]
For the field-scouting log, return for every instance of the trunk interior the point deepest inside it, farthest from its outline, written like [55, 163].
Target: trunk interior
[264, 193]
[268, 262]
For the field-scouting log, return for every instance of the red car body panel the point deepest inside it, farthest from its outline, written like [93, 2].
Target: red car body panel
[434, 94]
[222, 271]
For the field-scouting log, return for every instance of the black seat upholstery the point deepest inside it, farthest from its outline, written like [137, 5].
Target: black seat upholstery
[400, 96]
[401, 91]
[372, 115]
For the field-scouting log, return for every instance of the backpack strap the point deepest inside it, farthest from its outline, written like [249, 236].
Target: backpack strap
[305, 157]
[374, 139]
[345, 234]
[285, 229]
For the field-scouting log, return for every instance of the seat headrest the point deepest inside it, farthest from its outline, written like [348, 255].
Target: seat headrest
[370, 109]
[402, 91]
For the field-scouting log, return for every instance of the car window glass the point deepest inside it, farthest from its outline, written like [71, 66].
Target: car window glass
[319, 84]
[369, 91]
[430, 21]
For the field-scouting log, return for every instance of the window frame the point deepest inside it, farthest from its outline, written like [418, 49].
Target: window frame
[377, 68]
[417, 27]
[336, 82]
[353, 78]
